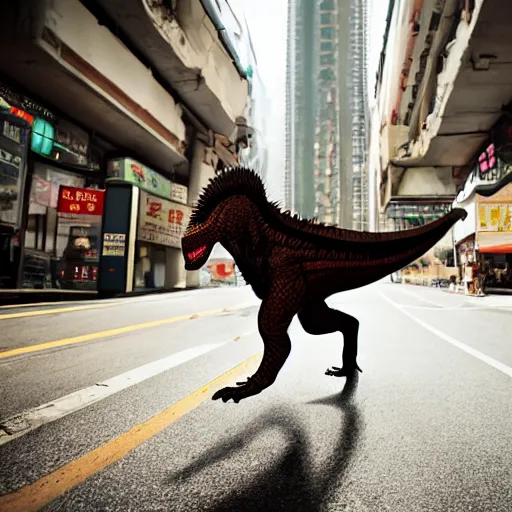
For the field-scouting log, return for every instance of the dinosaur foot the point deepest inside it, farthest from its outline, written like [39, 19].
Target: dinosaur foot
[343, 372]
[244, 390]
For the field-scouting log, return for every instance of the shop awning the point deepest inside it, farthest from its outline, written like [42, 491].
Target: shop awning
[497, 249]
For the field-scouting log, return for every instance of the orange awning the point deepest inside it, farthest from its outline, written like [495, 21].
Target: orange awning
[497, 249]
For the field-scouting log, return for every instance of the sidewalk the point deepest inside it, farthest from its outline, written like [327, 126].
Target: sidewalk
[31, 296]
[488, 291]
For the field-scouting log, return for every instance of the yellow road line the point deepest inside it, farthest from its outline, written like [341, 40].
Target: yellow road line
[110, 332]
[34, 304]
[35, 496]
[25, 314]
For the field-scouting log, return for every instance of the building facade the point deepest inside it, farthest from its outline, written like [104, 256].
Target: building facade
[108, 136]
[443, 101]
[326, 111]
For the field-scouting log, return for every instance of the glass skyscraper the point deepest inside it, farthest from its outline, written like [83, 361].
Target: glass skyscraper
[326, 111]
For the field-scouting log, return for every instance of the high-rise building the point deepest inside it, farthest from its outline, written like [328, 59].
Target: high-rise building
[326, 111]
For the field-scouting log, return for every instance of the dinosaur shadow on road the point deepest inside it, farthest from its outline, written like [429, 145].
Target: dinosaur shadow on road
[290, 484]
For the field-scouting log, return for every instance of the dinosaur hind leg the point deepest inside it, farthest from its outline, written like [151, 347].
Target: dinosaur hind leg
[318, 318]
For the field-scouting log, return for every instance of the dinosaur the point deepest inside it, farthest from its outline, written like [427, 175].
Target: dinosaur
[293, 265]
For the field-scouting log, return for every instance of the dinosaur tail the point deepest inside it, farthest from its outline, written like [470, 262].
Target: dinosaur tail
[398, 249]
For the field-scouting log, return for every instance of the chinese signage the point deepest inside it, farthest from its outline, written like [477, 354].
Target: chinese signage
[495, 218]
[80, 201]
[162, 222]
[179, 193]
[131, 171]
[114, 244]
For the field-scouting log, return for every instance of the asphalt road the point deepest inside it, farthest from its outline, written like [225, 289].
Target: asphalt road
[127, 423]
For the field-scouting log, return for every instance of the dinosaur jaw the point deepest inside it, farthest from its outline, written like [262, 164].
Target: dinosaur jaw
[196, 250]
[195, 255]
[196, 259]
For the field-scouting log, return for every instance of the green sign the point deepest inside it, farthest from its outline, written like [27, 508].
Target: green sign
[131, 171]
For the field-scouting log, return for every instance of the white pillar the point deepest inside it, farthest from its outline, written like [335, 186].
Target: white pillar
[175, 273]
[200, 174]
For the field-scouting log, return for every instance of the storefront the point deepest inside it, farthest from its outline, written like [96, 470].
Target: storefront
[144, 229]
[484, 239]
[14, 141]
[55, 157]
[161, 224]
[494, 237]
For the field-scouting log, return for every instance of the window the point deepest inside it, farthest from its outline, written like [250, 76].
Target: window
[326, 47]
[327, 33]
[327, 59]
[326, 19]
[327, 5]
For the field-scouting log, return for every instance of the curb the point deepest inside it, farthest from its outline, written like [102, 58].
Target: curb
[16, 297]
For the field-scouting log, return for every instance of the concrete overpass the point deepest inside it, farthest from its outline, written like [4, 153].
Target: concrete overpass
[444, 80]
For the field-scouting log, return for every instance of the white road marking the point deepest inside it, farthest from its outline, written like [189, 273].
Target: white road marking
[462, 306]
[18, 425]
[507, 370]
[458, 308]
[419, 297]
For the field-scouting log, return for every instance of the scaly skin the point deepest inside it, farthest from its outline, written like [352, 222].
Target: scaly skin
[293, 265]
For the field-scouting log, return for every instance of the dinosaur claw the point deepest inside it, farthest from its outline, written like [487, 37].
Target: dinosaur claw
[342, 372]
[245, 390]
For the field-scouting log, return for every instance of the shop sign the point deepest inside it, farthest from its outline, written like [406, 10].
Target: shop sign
[22, 106]
[11, 131]
[162, 222]
[488, 171]
[133, 172]
[179, 193]
[71, 144]
[80, 201]
[52, 137]
[495, 218]
[114, 244]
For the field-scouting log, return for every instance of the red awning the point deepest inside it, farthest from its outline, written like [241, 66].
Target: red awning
[497, 249]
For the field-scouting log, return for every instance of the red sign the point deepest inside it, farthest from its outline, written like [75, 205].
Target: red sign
[155, 209]
[80, 201]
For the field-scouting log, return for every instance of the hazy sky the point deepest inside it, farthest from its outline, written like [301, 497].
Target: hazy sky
[267, 23]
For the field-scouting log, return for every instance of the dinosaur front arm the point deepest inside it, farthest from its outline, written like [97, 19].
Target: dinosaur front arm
[276, 313]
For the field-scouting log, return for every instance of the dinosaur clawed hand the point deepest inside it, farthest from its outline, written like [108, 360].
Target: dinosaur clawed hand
[343, 372]
[245, 390]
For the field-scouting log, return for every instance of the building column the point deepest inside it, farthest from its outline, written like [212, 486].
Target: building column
[200, 174]
[175, 273]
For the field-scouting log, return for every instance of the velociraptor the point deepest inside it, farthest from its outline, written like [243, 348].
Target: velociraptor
[293, 265]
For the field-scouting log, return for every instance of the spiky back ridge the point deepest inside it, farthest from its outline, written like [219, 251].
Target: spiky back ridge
[240, 181]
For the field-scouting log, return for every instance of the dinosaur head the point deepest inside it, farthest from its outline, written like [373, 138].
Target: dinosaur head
[197, 244]
[220, 214]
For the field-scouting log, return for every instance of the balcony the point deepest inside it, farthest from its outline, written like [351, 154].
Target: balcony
[80, 68]
[184, 47]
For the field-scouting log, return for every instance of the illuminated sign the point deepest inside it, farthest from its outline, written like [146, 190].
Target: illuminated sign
[80, 201]
[43, 135]
[489, 171]
[487, 160]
